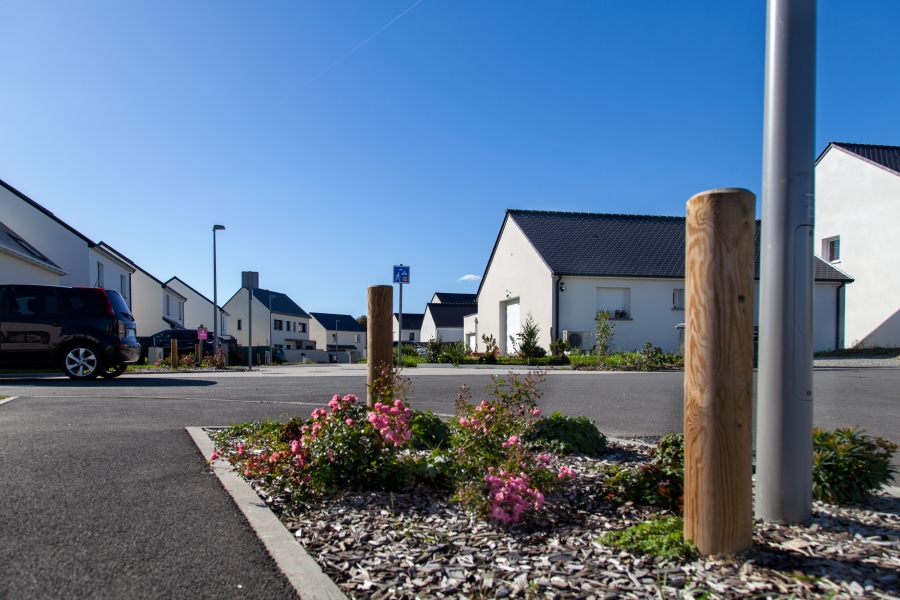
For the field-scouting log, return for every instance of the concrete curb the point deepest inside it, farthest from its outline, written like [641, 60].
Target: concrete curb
[10, 399]
[299, 567]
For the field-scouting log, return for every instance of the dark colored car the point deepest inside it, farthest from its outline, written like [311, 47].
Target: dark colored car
[87, 332]
[186, 339]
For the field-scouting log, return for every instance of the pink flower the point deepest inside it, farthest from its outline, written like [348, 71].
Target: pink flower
[213, 456]
[544, 458]
[240, 449]
[566, 473]
[349, 422]
[536, 412]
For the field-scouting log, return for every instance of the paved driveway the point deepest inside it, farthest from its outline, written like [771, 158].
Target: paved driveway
[104, 494]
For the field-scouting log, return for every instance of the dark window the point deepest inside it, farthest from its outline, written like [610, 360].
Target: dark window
[118, 303]
[32, 301]
[278, 325]
[240, 325]
[834, 250]
[302, 327]
[162, 338]
[83, 303]
[412, 337]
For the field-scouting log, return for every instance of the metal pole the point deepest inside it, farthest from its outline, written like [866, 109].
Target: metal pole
[250, 327]
[215, 293]
[271, 333]
[400, 327]
[336, 321]
[785, 408]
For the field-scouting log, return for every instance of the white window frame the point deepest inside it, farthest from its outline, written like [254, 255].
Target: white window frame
[827, 247]
[626, 292]
[676, 305]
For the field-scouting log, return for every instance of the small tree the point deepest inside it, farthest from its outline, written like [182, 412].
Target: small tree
[489, 343]
[363, 320]
[605, 332]
[526, 341]
[559, 347]
[433, 349]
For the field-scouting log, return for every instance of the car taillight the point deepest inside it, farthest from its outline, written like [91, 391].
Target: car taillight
[107, 305]
[121, 329]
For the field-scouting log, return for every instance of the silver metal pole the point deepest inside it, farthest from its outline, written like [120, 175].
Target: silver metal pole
[336, 322]
[250, 326]
[215, 293]
[400, 329]
[271, 333]
[784, 391]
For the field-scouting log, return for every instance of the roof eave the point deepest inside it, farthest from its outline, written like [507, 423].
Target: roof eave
[32, 260]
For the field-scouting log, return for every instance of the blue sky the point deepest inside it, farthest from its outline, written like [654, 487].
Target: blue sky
[143, 123]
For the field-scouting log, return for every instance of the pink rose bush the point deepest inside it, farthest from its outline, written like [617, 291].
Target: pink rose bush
[486, 453]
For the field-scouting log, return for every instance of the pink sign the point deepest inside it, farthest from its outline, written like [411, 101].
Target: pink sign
[202, 333]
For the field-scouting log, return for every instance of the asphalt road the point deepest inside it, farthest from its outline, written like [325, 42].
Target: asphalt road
[104, 495]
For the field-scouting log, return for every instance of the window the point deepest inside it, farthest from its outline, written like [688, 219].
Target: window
[831, 248]
[412, 336]
[31, 302]
[278, 325]
[616, 300]
[181, 311]
[302, 327]
[678, 299]
[123, 285]
[333, 337]
[240, 325]
[168, 312]
[357, 338]
[99, 283]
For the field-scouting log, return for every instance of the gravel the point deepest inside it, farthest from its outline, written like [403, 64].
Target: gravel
[421, 544]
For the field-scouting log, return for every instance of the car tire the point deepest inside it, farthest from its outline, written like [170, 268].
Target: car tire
[82, 362]
[113, 372]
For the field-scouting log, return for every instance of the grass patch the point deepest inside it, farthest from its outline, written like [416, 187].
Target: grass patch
[662, 536]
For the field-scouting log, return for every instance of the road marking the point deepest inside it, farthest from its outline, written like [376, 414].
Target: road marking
[301, 570]
[10, 399]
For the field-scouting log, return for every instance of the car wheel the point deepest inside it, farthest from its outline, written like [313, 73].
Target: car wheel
[113, 372]
[82, 362]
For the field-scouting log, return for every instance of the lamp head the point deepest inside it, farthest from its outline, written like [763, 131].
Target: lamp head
[562, 286]
[218, 228]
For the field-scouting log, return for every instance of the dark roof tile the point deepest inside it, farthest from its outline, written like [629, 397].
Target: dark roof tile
[347, 322]
[887, 157]
[412, 321]
[281, 303]
[450, 315]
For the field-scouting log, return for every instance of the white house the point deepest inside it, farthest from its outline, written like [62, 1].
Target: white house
[446, 320]
[155, 305]
[857, 212]
[412, 326]
[337, 333]
[198, 309]
[20, 262]
[286, 324]
[83, 262]
[562, 268]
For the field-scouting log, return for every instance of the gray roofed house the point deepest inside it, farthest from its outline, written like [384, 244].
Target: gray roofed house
[453, 298]
[412, 326]
[337, 333]
[446, 321]
[281, 303]
[564, 267]
[20, 262]
[884, 157]
[287, 324]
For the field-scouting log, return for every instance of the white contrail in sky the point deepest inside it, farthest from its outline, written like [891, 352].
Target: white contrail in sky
[362, 43]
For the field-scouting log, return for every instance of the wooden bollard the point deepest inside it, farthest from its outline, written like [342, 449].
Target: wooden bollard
[173, 354]
[198, 348]
[379, 334]
[718, 371]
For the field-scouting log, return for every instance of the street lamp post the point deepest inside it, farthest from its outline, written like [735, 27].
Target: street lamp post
[271, 333]
[215, 293]
[336, 321]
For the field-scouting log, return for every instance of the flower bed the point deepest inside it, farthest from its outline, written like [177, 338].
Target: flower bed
[397, 504]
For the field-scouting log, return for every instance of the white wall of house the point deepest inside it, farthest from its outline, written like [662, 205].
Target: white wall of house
[237, 324]
[429, 330]
[17, 270]
[146, 304]
[472, 337]
[325, 338]
[516, 273]
[56, 242]
[409, 335]
[173, 306]
[860, 203]
[198, 310]
[293, 333]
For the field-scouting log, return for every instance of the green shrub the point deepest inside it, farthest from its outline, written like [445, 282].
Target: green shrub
[428, 430]
[433, 349]
[605, 334]
[658, 482]
[487, 359]
[526, 341]
[489, 343]
[661, 536]
[849, 466]
[567, 435]
[559, 347]
[453, 353]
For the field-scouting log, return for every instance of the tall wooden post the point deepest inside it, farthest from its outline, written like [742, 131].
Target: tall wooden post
[379, 334]
[718, 371]
[198, 349]
[173, 354]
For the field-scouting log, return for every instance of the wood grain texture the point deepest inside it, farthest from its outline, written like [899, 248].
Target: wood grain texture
[173, 353]
[379, 334]
[718, 364]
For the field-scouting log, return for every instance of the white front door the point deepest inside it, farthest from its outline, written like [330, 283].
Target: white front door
[512, 324]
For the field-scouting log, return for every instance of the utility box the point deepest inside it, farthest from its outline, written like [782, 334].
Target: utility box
[154, 354]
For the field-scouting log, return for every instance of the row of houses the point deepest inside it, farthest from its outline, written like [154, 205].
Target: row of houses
[562, 268]
[37, 247]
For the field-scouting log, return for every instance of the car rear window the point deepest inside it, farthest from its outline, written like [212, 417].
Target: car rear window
[83, 303]
[119, 305]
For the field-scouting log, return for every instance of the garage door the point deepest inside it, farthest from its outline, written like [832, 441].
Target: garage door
[512, 324]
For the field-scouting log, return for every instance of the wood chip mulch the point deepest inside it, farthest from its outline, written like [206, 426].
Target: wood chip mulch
[420, 544]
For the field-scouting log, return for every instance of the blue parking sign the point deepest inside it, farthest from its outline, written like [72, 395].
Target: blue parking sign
[401, 274]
